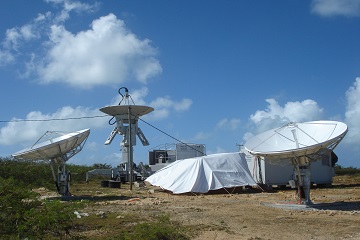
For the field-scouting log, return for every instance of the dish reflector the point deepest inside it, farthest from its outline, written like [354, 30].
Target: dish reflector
[136, 110]
[54, 148]
[297, 139]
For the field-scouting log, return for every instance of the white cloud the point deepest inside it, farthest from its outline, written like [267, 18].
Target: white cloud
[17, 37]
[330, 8]
[200, 136]
[108, 53]
[6, 57]
[165, 105]
[231, 124]
[275, 115]
[352, 115]
[183, 105]
[69, 5]
[27, 132]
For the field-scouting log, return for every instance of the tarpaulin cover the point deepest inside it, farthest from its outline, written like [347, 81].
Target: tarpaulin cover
[202, 174]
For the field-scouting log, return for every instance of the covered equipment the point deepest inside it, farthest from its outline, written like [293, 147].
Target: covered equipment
[205, 173]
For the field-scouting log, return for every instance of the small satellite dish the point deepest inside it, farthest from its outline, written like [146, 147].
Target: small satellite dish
[298, 143]
[297, 139]
[58, 150]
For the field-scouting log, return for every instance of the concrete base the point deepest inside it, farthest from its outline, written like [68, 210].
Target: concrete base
[342, 206]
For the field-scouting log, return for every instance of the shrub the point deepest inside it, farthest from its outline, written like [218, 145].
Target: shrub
[15, 200]
[23, 215]
[51, 218]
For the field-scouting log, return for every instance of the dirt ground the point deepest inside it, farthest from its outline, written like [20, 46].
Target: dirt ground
[248, 214]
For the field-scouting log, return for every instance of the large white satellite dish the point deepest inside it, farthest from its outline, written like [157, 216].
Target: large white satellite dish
[297, 139]
[299, 143]
[58, 150]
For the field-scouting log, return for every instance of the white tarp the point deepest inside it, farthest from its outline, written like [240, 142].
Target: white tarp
[201, 174]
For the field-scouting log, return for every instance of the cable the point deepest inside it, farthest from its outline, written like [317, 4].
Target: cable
[170, 136]
[79, 118]
[51, 119]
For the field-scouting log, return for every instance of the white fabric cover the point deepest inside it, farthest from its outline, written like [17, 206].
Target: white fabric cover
[201, 174]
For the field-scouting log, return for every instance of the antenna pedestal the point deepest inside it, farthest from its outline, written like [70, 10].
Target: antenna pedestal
[62, 179]
[303, 182]
[127, 125]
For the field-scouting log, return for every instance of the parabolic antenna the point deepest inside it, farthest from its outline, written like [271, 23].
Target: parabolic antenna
[136, 110]
[126, 116]
[54, 148]
[58, 150]
[297, 139]
[299, 143]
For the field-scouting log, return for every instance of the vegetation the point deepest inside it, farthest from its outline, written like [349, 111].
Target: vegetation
[23, 215]
[162, 228]
[38, 174]
[339, 170]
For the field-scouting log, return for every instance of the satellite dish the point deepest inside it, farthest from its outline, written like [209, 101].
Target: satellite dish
[54, 148]
[58, 150]
[298, 143]
[297, 139]
[126, 117]
[136, 110]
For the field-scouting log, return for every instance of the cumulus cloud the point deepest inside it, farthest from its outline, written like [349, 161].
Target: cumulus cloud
[352, 115]
[28, 131]
[330, 8]
[275, 115]
[69, 6]
[108, 53]
[16, 37]
[164, 106]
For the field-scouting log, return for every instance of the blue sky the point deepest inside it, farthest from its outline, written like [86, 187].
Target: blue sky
[216, 72]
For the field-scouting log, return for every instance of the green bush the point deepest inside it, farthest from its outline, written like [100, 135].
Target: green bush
[23, 215]
[30, 173]
[38, 174]
[15, 200]
[52, 218]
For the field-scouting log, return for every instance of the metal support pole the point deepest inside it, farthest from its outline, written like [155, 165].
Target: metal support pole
[130, 149]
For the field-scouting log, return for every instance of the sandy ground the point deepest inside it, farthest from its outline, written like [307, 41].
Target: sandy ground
[252, 215]
[248, 214]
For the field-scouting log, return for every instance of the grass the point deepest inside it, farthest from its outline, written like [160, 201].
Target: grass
[130, 226]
